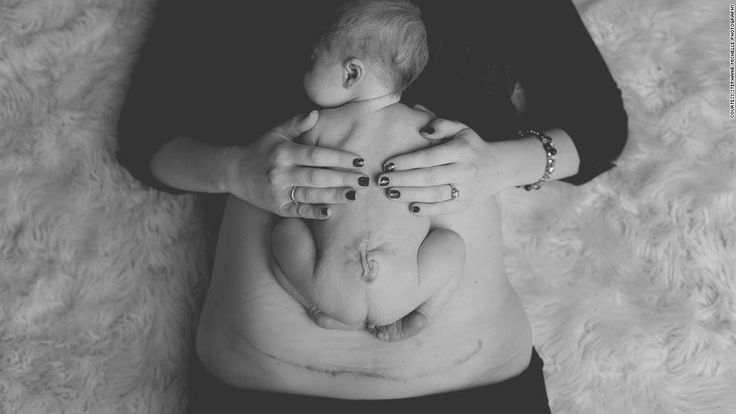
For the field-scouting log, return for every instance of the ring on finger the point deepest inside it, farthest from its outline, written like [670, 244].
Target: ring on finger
[293, 200]
[454, 192]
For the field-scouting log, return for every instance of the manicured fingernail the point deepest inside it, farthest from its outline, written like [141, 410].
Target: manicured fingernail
[363, 181]
[358, 162]
[350, 195]
[427, 130]
[383, 181]
[415, 209]
[393, 193]
[389, 166]
[325, 211]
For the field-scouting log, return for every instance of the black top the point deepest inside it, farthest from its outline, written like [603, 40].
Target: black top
[225, 71]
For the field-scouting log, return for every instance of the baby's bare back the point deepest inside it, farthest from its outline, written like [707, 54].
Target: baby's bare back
[366, 266]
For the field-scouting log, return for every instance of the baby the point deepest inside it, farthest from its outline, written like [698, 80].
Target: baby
[367, 265]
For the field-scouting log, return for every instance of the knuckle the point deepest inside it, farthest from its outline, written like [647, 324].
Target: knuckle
[312, 155]
[430, 176]
[311, 212]
[429, 157]
[311, 175]
[306, 213]
[300, 210]
[280, 154]
[309, 194]
[273, 175]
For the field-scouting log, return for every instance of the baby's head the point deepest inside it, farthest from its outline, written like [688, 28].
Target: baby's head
[371, 44]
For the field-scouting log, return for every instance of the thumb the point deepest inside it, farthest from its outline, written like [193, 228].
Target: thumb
[419, 107]
[299, 124]
[441, 129]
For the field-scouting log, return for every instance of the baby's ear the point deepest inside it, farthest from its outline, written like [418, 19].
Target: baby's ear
[353, 71]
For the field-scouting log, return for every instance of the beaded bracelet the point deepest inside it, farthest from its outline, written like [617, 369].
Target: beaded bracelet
[549, 149]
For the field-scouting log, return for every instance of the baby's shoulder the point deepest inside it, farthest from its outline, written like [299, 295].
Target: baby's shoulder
[410, 117]
[331, 122]
[402, 124]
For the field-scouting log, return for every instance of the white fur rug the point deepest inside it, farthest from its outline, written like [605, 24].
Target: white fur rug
[629, 281]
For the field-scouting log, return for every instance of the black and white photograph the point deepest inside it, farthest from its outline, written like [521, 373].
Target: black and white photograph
[348, 206]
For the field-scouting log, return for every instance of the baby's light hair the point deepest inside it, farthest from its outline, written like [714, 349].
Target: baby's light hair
[389, 33]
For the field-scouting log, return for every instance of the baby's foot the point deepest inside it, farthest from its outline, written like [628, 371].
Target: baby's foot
[327, 322]
[404, 328]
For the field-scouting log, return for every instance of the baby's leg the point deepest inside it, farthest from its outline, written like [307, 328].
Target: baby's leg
[441, 259]
[295, 254]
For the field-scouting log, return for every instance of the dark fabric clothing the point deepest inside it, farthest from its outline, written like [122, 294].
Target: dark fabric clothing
[526, 393]
[223, 72]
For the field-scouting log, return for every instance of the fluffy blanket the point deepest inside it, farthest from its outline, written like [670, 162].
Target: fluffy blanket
[629, 281]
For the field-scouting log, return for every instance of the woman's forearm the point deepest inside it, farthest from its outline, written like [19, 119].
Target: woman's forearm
[190, 165]
[524, 159]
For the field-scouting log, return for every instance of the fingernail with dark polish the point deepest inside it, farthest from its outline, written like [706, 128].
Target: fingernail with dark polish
[428, 130]
[383, 181]
[363, 181]
[389, 166]
[358, 162]
[415, 209]
[325, 211]
[350, 195]
[393, 193]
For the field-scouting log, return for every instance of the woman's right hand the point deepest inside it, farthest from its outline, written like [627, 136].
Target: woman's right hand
[265, 172]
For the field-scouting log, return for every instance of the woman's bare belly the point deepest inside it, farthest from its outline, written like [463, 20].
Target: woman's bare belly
[252, 334]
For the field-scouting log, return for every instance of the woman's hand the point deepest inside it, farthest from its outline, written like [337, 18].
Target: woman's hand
[426, 177]
[265, 172]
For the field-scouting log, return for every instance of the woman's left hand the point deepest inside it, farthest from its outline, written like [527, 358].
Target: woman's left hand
[426, 178]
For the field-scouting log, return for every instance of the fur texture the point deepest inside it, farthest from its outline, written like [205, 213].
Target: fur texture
[629, 280]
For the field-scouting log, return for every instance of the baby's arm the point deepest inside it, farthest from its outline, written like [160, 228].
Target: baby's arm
[441, 260]
[295, 252]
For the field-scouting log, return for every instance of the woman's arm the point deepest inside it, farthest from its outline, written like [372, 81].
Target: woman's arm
[190, 165]
[180, 130]
[567, 84]
[570, 95]
[264, 172]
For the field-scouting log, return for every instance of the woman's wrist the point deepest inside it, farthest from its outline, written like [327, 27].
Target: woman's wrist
[228, 168]
[523, 161]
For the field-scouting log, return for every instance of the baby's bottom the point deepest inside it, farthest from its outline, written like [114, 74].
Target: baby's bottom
[337, 293]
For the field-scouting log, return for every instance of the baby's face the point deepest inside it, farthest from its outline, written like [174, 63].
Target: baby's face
[323, 80]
